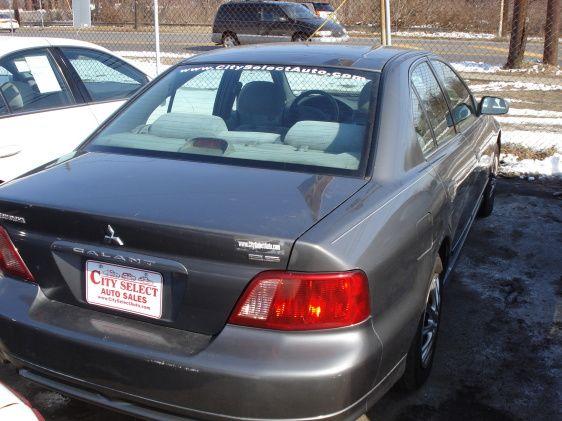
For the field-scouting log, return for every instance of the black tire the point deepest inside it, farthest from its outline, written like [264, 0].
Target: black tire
[487, 205]
[300, 37]
[420, 359]
[229, 39]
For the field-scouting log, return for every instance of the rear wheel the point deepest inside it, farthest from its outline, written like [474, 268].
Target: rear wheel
[229, 40]
[420, 356]
[487, 205]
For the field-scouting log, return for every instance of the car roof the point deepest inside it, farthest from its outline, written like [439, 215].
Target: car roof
[257, 1]
[11, 44]
[291, 54]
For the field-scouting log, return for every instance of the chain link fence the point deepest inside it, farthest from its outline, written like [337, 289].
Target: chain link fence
[502, 47]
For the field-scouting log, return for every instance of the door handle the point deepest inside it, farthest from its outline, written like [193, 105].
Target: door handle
[9, 150]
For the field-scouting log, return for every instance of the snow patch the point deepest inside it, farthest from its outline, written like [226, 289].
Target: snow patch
[514, 86]
[535, 121]
[532, 139]
[463, 35]
[550, 166]
[527, 112]
[476, 67]
[150, 68]
[152, 54]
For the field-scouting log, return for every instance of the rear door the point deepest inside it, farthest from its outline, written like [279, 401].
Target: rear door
[105, 81]
[474, 128]
[45, 118]
[453, 159]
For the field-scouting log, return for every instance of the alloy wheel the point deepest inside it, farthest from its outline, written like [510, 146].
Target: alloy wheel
[494, 175]
[229, 41]
[431, 321]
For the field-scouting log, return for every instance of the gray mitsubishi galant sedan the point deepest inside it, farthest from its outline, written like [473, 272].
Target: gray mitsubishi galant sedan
[260, 233]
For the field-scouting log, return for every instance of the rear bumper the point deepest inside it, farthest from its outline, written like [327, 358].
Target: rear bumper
[216, 38]
[157, 372]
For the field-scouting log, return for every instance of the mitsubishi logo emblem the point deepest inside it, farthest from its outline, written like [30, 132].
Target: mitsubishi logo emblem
[111, 239]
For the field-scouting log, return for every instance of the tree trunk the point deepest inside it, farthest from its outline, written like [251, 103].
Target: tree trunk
[518, 39]
[16, 7]
[505, 19]
[136, 13]
[551, 32]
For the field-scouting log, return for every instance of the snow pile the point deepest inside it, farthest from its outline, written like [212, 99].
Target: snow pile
[514, 86]
[550, 166]
[151, 54]
[461, 35]
[482, 67]
[537, 141]
[531, 121]
[146, 60]
[476, 67]
[149, 68]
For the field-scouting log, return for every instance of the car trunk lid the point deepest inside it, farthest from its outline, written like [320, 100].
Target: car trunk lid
[207, 229]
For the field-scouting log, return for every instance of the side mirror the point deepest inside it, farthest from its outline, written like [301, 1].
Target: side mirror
[460, 113]
[491, 105]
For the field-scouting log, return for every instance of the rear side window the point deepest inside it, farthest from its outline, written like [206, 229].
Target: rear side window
[246, 13]
[105, 77]
[224, 12]
[324, 7]
[434, 103]
[272, 13]
[421, 125]
[31, 81]
[456, 90]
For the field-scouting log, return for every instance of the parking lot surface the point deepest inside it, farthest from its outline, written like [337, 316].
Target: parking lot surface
[499, 355]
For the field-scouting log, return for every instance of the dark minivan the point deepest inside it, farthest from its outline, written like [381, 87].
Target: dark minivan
[246, 22]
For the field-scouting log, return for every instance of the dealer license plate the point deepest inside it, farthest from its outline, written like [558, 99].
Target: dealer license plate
[124, 288]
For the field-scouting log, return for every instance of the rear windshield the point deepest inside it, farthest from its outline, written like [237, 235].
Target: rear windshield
[290, 117]
[298, 11]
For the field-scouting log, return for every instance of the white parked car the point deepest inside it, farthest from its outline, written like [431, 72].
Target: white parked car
[13, 408]
[8, 23]
[53, 94]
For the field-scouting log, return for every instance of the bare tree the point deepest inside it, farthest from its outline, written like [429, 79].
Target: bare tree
[518, 39]
[551, 32]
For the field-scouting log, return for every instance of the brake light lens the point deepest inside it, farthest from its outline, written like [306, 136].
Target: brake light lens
[303, 301]
[10, 260]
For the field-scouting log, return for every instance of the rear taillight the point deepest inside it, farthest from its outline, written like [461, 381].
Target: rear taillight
[303, 301]
[11, 262]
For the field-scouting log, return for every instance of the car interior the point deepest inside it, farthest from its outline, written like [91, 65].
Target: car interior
[274, 118]
[21, 91]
